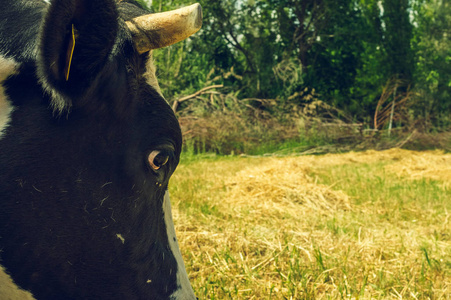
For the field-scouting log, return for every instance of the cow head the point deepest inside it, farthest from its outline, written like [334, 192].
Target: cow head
[88, 151]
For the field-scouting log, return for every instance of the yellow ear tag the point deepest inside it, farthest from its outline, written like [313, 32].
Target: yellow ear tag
[70, 53]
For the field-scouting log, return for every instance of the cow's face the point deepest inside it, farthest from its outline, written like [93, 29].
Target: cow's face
[99, 224]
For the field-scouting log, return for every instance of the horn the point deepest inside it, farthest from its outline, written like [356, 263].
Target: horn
[159, 30]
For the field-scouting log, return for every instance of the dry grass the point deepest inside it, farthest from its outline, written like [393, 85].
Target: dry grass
[353, 226]
[432, 165]
[231, 133]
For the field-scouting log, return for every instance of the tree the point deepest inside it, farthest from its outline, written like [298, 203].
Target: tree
[346, 50]
[397, 38]
[433, 61]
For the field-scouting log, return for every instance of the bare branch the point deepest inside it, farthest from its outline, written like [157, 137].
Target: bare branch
[196, 94]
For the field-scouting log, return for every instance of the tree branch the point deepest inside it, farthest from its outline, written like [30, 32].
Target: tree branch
[199, 92]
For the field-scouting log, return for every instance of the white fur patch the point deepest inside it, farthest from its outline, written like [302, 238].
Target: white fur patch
[9, 290]
[8, 67]
[150, 74]
[185, 291]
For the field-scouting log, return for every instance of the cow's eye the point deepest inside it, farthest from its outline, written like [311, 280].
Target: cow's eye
[157, 159]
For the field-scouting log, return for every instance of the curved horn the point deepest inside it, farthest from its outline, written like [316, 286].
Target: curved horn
[159, 30]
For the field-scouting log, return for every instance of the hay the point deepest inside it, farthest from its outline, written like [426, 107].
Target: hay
[265, 228]
[284, 184]
[415, 165]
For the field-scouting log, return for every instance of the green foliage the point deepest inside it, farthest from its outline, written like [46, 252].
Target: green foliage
[433, 62]
[345, 50]
[397, 37]
[337, 59]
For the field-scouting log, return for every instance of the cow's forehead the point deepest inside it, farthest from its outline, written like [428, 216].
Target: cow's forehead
[150, 75]
[129, 9]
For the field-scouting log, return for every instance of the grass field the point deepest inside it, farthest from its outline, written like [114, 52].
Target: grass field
[370, 225]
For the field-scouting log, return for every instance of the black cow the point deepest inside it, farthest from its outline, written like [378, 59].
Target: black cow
[87, 147]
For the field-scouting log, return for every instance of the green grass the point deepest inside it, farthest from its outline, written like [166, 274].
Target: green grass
[255, 147]
[248, 231]
[395, 206]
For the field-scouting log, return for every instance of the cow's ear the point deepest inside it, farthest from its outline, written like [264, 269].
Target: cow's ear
[77, 37]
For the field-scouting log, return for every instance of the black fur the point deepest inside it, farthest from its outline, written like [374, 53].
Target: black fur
[70, 183]
[96, 23]
[18, 34]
